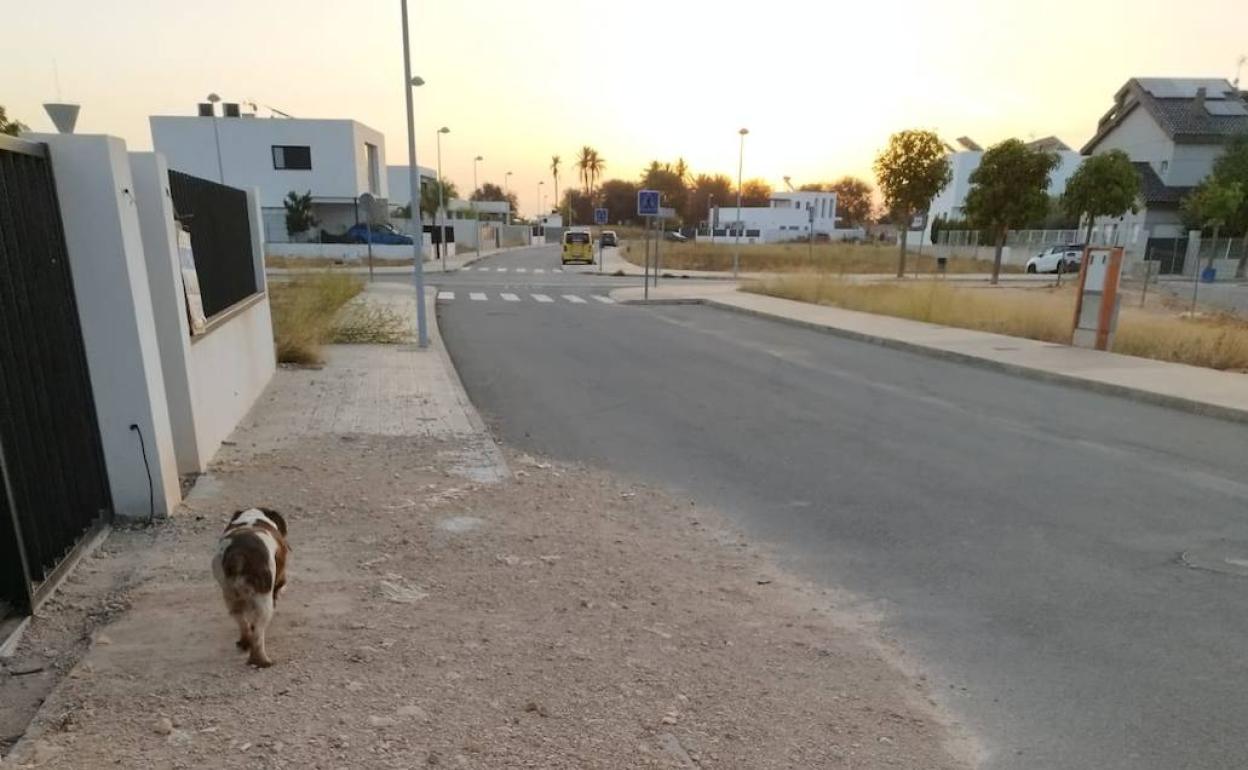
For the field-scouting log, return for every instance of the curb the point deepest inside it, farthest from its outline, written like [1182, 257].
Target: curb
[1179, 403]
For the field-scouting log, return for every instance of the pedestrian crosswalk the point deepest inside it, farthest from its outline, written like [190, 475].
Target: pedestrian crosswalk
[485, 269]
[541, 299]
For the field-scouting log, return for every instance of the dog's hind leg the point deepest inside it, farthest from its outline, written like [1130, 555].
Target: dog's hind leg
[260, 613]
[244, 630]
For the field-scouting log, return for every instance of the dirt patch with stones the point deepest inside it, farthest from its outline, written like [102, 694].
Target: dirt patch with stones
[562, 619]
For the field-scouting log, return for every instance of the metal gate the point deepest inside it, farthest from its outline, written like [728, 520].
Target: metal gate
[1169, 253]
[54, 489]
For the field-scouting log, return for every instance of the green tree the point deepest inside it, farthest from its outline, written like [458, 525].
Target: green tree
[755, 192]
[1213, 203]
[11, 127]
[555, 160]
[1007, 190]
[1232, 166]
[853, 201]
[583, 161]
[429, 197]
[578, 204]
[488, 191]
[672, 190]
[299, 216]
[597, 164]
[1104, 185]
[619, 198]
[705, 187]
[910, 170]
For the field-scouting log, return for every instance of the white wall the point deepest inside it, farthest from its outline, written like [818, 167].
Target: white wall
[337, 148]
[1191, 163]
[105, 244]
[347, 252]
[1139, 136]
[398, 181]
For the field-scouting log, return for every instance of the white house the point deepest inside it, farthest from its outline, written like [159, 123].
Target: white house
[950, 202]
[399, 181]
[789, 216]
[1173, 129]
[335, 160]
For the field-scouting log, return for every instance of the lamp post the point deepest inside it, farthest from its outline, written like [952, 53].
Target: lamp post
[213, 99]
[507, 194]
[736, 254]
[413, 175]
[475, 216]
[440, 216]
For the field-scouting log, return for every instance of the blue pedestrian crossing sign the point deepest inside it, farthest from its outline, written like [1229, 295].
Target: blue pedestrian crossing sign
[600, 216]
[647, 203]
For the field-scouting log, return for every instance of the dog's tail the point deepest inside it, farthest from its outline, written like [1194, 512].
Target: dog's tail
[245, 564]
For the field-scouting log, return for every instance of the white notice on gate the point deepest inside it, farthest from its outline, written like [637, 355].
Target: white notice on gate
[190, 283]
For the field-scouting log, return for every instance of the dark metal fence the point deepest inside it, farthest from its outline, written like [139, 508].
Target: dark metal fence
[53, 485]
[1169, 253]
[218, 219]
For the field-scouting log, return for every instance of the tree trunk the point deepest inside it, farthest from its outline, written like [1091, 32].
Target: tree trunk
[996, 257]
[1243, 260]
[1087, 238]
[901, 252]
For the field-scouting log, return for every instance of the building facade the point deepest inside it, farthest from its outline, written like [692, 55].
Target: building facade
[789, 216]
[336, 161]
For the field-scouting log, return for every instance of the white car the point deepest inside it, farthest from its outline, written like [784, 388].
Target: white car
[1056, 259]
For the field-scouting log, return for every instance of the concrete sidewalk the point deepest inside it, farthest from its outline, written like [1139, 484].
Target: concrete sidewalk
[1189, 388]
[432, 266]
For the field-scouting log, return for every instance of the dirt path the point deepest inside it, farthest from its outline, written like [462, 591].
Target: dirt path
[563, 618]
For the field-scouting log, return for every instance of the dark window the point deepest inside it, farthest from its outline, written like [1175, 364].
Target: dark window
[576, 238]
[292, 157]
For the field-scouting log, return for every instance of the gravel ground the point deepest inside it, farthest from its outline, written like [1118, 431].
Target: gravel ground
[562, 619]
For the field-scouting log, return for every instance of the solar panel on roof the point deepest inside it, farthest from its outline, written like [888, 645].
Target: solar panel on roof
[1227, 109]
[1177, 88]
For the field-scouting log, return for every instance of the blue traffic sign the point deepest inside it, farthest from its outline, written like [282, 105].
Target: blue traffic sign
[647, 203]
[600, 216]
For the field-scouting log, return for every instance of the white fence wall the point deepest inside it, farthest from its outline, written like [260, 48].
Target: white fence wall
[347, 252]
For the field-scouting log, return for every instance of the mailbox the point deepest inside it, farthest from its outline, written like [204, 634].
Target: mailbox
[1096, 308]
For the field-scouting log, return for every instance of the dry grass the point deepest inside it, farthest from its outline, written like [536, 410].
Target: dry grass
[309, 263]
[829, 258]
[1213, 341]
[304, 310]
[368, 323]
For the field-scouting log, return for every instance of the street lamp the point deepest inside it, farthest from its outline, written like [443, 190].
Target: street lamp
[213, 99]
[507, 193]
[476, 217]
[710, 215]
[736, 254]
[413, 177]
[541, 207]
[441, 213]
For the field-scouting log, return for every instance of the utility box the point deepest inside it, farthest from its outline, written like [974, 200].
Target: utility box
[1096, 308]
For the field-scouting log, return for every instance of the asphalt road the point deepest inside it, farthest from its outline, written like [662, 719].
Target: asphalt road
[1023, 541]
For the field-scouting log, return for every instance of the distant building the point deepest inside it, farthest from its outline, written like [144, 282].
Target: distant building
[335, 160]
[950, 202]
[1173, 129]
[789, 216]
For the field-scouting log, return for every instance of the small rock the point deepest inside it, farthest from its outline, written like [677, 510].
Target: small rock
[412, 712]
[83, 671]
[377, 721]
[103, 639]
[669, 718]
[245, 746]
[354, 686]
[163, 726]
[536, 708]
[510, 561]
[885, 739]
[179, 738]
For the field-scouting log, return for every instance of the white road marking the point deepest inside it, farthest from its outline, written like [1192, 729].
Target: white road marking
[509, 297]
[542, 298]
[446, 295]
[574, 299]
[478, 296]
[558, 269]
[500, 269]
[522, 270]
[539, 270]
[602, 299]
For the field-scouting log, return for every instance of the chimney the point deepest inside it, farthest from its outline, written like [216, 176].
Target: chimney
[206, 110]
[64, 116]
[229, 109]
[1199, 103]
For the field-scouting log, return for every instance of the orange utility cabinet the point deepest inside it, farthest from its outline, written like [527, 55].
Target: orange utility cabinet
[1096, 308]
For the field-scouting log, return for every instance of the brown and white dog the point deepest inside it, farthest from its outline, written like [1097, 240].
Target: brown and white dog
[250, 566]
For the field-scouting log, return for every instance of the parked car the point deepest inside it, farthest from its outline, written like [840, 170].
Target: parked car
[674, 235]
[609, 238]
[382, 234]
[1057, 259]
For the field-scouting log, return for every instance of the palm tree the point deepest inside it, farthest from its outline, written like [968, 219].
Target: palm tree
[596, 166]
[681, 169]
[555, 160]
[583, 161]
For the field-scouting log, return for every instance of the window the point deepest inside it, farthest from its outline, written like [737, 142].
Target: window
[292, 157]
[1165, 166]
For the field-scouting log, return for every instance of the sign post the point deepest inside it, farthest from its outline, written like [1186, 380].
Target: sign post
[600, 219]
[1096, 307]
[648, 207]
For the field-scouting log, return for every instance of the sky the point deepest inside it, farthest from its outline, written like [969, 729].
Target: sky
[820, 84]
